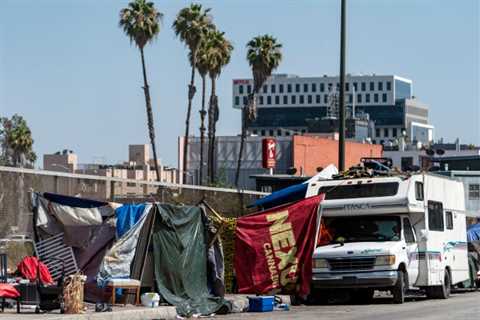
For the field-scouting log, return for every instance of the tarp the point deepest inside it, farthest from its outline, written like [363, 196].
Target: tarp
[274, 248]
[29, 266]
[127, 216]
[180, 255]
[117, 261]
[473, 232]
[8, 291]
[295, 192]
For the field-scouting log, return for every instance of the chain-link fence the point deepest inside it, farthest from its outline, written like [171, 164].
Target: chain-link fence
[17, 184]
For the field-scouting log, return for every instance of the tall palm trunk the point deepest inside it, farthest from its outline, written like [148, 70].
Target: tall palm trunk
[148, 105]
[211, 133]
[202, 126]
[191, 94]
[242, 144]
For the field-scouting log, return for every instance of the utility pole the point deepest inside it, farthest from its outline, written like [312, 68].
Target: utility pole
[341, 111]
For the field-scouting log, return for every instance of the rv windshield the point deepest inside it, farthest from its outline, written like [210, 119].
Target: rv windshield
[360, 229]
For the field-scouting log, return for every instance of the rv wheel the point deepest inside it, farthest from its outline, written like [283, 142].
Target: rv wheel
[443, 291]
[400, 288]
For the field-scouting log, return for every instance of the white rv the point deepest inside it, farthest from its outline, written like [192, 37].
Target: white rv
[391, 233]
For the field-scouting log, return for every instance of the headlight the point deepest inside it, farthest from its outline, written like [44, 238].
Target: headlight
[385, 260]
[320, 263]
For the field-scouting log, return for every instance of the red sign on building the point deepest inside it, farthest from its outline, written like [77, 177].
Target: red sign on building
[269, 153]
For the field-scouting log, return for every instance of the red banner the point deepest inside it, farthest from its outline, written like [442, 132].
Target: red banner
[274, 248]
[269, 153]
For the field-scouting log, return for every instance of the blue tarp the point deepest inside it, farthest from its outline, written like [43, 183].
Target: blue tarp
[473, 232]
[127, 216]
[289, 194]
[73, 201]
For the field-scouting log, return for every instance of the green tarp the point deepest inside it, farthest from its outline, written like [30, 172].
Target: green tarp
[180, 255]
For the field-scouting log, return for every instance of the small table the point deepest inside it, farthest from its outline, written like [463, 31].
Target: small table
[128, 285]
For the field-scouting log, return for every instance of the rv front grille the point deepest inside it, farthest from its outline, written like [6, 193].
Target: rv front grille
[341, 264]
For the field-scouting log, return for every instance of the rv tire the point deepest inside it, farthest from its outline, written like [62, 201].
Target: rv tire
[443, 291]
[398, 291]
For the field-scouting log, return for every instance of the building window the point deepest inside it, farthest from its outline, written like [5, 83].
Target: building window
[263, 133]
[297, 87]
[359, 98]
[277, 99]
[279, 132]
[435, 216]
[367, 97]
[347, 86]
[271, 133]
[280, 88]
[302, 99]
[289, 88]
[318, 98]
[377, 132]
[394, 132]
[255, 132]
[309, 98]
[294, 99]
[385, 132]
[240, 89]
[449, 220]
[384, 97]
[249, 89]
[269, 99]
[406, 164]
[364, 86]
[474, 191]
[322, 87]
[375, 97]
[314, 87]
[265, 88]
[305, 87]
[355, 86]
[245, 100]
[237, 100]
[272, 88]
[389, 86]
[325, 98]
[338, 86]
[260, 99]
[372, 86]
[380, 86]
[287, 133]
[285, 99]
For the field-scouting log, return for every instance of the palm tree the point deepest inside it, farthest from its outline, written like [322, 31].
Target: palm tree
[218, 53]
[16, 142]
[191, 24]
[263, 55]
[141, 23]
[202, 67]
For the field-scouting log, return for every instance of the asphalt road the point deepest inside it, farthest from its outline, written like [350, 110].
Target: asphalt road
[458, 307]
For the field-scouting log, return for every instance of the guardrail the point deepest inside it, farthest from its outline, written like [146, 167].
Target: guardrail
[123, 180]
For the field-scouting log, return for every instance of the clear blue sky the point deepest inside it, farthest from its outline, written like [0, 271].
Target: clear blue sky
[70, 71]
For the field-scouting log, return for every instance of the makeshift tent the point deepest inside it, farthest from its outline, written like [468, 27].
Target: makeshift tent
[163, 246]
[295, 192]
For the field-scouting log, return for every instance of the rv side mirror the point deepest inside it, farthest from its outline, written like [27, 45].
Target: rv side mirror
[424, 234]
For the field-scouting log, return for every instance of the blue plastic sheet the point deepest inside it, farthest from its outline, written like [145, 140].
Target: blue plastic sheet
[473, 232]
[127, 216]
[286, 195]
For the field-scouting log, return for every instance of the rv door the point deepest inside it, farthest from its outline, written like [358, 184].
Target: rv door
[412, 251]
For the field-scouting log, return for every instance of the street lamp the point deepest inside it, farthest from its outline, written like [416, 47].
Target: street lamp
[341, 140]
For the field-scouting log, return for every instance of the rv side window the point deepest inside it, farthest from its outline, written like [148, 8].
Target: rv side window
[407, 231]
[449, 219]
[435, 216]
[419, 190]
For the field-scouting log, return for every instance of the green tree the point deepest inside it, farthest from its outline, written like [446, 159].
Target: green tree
[191, 25]
[16, 142]
[141, 23]
[218, 53]
[264, 56]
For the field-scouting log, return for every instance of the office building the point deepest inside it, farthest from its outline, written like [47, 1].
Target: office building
[286, 101]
